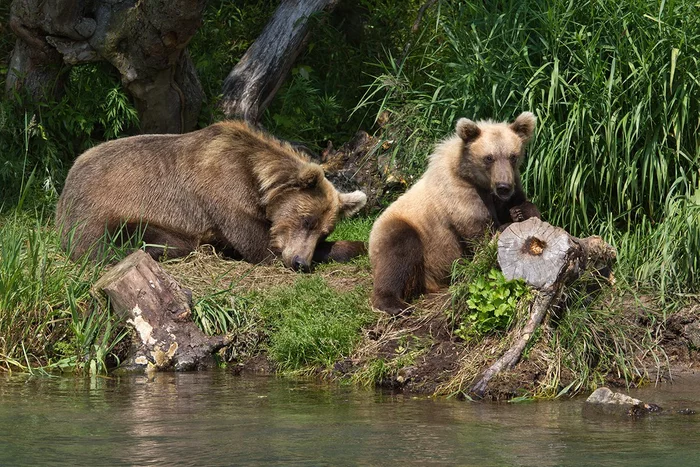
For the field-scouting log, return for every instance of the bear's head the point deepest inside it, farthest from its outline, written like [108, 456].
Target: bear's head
[304, 212]
[492, 152]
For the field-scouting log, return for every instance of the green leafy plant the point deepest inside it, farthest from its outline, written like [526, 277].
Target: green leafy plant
[46, 136]
[491, 305]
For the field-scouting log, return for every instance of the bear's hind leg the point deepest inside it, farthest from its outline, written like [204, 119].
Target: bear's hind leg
[398, 269]
[163, 243]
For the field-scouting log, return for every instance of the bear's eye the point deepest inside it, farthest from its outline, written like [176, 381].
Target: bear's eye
[513, 158]
[489, 159]
[308, 223]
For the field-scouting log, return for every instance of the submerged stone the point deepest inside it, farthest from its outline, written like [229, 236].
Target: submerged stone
[605, 401]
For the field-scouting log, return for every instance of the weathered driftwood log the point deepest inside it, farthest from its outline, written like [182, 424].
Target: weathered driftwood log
[254, 81]
[159, 312]
[547, 258]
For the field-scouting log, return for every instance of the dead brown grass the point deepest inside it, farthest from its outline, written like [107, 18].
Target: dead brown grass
[204, 271]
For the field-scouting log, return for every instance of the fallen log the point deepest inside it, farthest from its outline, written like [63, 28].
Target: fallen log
[159, 311]
[547, 258]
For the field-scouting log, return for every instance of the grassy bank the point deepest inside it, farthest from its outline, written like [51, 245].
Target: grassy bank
[48, 318]
[296, 324]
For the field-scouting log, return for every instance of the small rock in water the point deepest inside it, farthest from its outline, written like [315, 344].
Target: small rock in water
[603, 400]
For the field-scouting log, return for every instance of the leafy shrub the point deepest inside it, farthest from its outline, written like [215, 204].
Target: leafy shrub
[490, 305]
[302, 112]
[45, 137]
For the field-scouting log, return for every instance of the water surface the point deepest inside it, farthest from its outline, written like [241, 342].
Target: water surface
[216, 418]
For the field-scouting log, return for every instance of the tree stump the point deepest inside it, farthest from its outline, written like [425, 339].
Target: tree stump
[547, 258]
[159, 312]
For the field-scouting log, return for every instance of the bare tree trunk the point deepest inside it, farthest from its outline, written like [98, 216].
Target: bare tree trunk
[254, 81]
[144, 39]
[34, 65]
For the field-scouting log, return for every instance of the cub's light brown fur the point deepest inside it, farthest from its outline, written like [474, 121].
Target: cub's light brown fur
[226, 184]
[471, 176]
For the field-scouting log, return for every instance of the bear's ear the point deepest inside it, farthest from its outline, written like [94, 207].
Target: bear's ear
[350, 203]
[310, 176]
[467, 130]
[524, 126]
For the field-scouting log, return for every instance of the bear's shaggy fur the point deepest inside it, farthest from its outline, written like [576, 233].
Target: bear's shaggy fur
[228, 184]
[471, 184]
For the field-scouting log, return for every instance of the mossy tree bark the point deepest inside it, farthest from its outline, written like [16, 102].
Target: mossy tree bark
[144, 40]
[548, 259]
[159, 312]
[252, 84]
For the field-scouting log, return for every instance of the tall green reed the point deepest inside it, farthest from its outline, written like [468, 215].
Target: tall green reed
[614, 86]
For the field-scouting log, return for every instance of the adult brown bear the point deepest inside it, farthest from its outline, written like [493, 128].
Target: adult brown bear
[472, 183]
[228, 184]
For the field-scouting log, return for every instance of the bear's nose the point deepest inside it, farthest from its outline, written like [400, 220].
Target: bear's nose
[504, 190]
[298, 264]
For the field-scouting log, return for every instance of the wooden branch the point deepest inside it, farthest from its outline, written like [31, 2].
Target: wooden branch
[254, 81]
[421, 12]
[511, 357]
[548, 259]
[415, 28]
[158, 310]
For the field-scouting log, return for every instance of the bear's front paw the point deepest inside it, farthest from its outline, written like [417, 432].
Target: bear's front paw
[517, 214]
[393, 306]
[341, 251]
[524, 211]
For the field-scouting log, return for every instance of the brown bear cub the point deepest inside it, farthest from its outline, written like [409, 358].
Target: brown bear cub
[228, 184]
[472, 184]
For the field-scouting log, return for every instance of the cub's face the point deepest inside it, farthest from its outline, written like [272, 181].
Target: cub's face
[307, 214]
[492, 153]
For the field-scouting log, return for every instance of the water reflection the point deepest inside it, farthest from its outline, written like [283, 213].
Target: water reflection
[216, 418]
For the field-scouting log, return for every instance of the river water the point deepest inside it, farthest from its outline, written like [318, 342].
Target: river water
[216, 418]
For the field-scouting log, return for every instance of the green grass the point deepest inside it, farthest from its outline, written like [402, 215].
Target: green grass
[662, 259]
[597, 338]
[48, 318]
[353, 228]
[311, 325]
